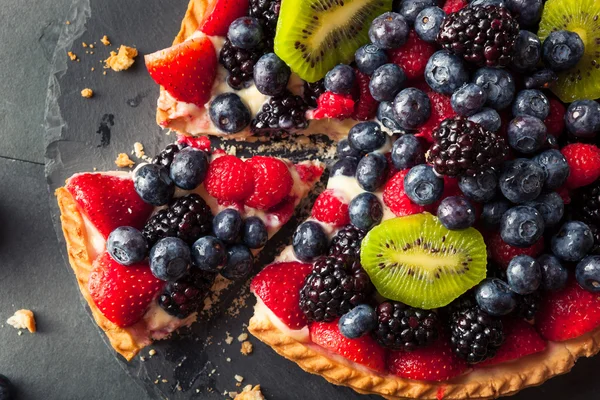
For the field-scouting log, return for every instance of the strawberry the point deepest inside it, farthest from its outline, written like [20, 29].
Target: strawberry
[109, 201]
[220, 14]
[331, 207]
[200, 142]
[436, 362]
[278, 286]
[584, 163]
[451, 6]
[309, 173]
[122, 293]
[364, 350]
[441, 109]
[568, 313]
[187, 70]
[366, 106]
[502, 253]
[521, 340]
[413, 56]
[229, 179]
[272, 182]
[395, 198]
[555, 121]
[332, 105]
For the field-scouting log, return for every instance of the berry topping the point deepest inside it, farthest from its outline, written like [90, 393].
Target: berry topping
[188, 168]
[165, 157]
[280, 114]
[573, 241]
[502, 253]
[220, 14]
[340, 79]
[445, 72]
[347, 242]
[357, 322]
[208, 253]
[271, 75]
[245, 33]
[332, 208]
[365, 211]
[186, 295]
[388, 31]
[365, 107]
[309, 241]
[413, 56]
[428, 23]
[239, 264]
[127, 245]
[401, 327]
[239, 63]
[227, 225]
[254, 233]
[396, 199]
[369, 57]
[584, 164]
[562, 50]
[495, 297]
[272, 182]
[331, 105]
[229, 179]
[170, 259]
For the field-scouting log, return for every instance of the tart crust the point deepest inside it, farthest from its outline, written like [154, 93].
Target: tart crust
[483, 383]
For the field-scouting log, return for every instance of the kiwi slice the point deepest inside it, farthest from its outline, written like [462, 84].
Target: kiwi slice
[313, 36]
[582, 17]
[417, 261]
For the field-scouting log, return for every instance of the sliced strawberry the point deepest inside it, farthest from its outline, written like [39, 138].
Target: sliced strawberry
[396, 199]
[229, 179]
[364, 350]
[122, 293]
[278, 286]
[331, 207]
[521, 340]
[436, 362]
[109, 201]
[568, 313]
[187, 70]
[502, 253]
[220, 14]
[272, 182]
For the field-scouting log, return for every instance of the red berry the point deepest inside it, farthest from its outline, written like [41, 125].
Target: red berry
[229, 179]
[272, 182]
[451, 6]
[309, 173]
[200, 142]
[521, 340]
[555, 122]
[366, 106]
[282, 212]
[332, 105]
[413, 56]
[502, 253]
[331, 207]
[584, 164]
[396, 199]
[220, 14]
[441, 109]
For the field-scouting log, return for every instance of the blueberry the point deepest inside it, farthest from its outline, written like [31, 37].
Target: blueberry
[412, 108]
[527, 12]
[526, 134]
[170, 259]
[531, 102]
[340, 79]
[492, 213]
[127, 245]
[481, 187]
[483, 3]
[445, 72]
[468, 99]
[386, 82]
[388, 31]
[7, 391]
[188, 168]
[245, 33]
[229, 113]
[239, 264]
[572, 242]
[554, 274]
[583, 118]
[153, 185]
[254, 233]
[271, 75]
[409, 9]
[498, 84]
[495, 297]
[527, 51]
[357, 322]
[344, 167]
[309, 241]
[587, 273]
[365, 211]
[208, 253]
[521, 180]
[521, 226]
[555, 167]
[407, 152]
[422, 185]
[488, 118]
[456, 213]
[541, 79]
[367, 136]
[428, 23]
[551, 206]
[562, 50]
[369, 57]
[344, 149]
[385, 115]
[371, 172]
[227, 225]
[524, 274]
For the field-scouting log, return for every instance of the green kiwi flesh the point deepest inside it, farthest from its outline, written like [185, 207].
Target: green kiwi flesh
[313, 36]
[417, 261]
[583, 17]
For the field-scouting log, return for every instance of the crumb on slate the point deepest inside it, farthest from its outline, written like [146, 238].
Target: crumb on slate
[72, 56]
[122, 60]
[23, 319]
[105, 40]
[123, 161]
[229, 338]
[68, 23]
[152, 352]
[247, 348]
[250, 393]
[242, 337]
[84, 44]
[87, 93]
[138, 150]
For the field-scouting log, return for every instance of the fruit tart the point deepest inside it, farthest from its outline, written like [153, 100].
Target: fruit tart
[146, 246]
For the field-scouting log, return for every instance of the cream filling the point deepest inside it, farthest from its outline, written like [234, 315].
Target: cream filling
[263, 312]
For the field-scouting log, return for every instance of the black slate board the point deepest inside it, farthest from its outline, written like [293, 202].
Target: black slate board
[86, 134]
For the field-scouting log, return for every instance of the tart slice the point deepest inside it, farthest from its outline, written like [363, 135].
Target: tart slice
[146, 246]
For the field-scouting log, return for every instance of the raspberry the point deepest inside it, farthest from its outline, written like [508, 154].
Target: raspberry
[441, 109]
[413, 56]
[272, 182]
[229, 179]
[502, 253]
[331, 105]
[395, 198]
[309, 173]
[201, 142]
[451, 6]
[555, 122]
[331, 208]
[584, 163]
[366, 106]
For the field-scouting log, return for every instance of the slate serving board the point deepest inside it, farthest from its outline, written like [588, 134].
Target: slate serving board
[85, 134]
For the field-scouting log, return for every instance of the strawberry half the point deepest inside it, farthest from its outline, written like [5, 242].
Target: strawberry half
[187, 70]
[220, 14]
[278, 286]
[364, 350]
[521, 340]
[122, 293]
[272, 182]
[109, 201]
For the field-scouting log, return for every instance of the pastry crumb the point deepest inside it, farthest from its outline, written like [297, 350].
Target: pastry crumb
[122, 60]
[239, 378]
[23, 319]
[93, 69]
[68, 23]
[91, 46]
[123, 161]
[87, 93]
[138, 149]
[228, 359]
[105, 40]
[242, 337]
[229, 338]
[151, 353]
[72, 56]
[250, 393]
[247, 348]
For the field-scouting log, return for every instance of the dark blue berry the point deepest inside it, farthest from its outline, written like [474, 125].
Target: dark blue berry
[551, 206]
[367, 136]
[456, 213]
[309, 241]
[555, 167]
[526, 134]
[357, 322]
[239, 264]
[527, 51]
[521, 226]
[254, 233]
[587, 273]
[208, 253]
[7, 390]
[428, 22]
[386, 82]
[521, 180]
[445, 72]
[340, 79]
[583, 118]
[531, 102]
[554, 274]
[524, 275]
[344, 167]
[409, 9]
[388, 31]
[227, 225]
[562, 50]
[407, 152]
[488, 118]
[422, 185]
[153, 185]
[480, 187]
[483, 3]
[495, 297]
[188, 168]
[492, 213]
[573, 241]
[127, 245]
[385, 115]
[229, 113]
[412, 108]
[541, 79]
[170, 259]
[245, 33]
[498, 84]
[371, 172]
[527, 12]
[369, 57]
[271, 75]
[344, 149]
[468, 99]
[365, 211]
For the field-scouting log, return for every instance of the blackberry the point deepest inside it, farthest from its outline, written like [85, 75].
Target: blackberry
[462, 147]
[336, 285]
[475, 335]
[587, 203]
[281, 113]
[239, 63]
[267, 13]
[312, 91]
[188, 218]
[482, 35]
[527, 306]
[401, 327]
[185, 296]
[165, 157]
[347, 242]
[596, 234]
